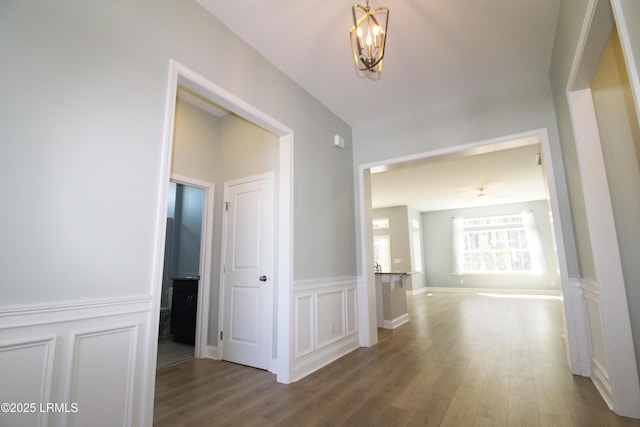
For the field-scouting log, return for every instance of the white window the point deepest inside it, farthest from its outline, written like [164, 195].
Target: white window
[417, 251]
[382, 253]
[500, 244]
[381, 223]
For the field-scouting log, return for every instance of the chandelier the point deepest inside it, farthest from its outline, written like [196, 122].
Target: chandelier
[368, 37]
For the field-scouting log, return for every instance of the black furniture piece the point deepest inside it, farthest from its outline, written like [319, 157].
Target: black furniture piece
[184, 305]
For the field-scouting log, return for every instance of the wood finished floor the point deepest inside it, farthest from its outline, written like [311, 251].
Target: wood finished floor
[463, 360]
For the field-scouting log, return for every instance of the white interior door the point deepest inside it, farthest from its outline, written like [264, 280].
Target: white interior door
[247, 271]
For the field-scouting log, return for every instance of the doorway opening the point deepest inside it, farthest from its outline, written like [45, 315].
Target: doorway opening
[182, 77]
[368, 307]
[184, 300]
[604, 122]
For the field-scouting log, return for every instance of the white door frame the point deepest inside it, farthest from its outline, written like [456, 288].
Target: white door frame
[574, 320]
[206, 243]
[612, 356]
[269, 302]
[181, 75]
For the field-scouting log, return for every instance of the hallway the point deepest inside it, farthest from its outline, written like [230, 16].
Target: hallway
[464, 359]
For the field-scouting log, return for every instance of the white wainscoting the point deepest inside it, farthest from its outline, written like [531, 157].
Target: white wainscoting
[325, 319]
[599, 363]
[77, 364]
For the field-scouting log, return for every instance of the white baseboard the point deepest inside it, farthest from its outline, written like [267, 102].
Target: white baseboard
[324, 357]
[400, 320]
[211, 352]
[552, 292]
[601, 381]
[417, 291]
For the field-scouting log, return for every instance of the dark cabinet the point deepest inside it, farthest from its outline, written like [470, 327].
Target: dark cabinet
[184, 307]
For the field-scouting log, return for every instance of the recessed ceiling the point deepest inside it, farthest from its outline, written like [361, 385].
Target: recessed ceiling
[506, 176]
[436, 49]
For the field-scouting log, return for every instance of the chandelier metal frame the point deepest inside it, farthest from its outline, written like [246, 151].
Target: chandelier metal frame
[368, 50]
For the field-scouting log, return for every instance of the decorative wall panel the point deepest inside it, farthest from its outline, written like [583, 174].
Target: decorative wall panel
[77, 364]
[325, 319]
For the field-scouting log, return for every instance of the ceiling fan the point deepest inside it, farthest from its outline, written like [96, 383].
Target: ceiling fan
[482, 196]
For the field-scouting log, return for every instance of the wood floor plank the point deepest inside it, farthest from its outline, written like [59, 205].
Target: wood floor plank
[464, 359]
[418, 388]
[482, 421]
[430, 412]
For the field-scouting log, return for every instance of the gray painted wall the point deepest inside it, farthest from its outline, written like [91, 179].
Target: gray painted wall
[494, 113]
[438, 244]
[84, 88]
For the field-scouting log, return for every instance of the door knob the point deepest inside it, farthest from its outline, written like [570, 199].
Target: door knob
[263, 278]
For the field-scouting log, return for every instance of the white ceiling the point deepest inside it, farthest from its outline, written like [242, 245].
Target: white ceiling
[436, 50]
[506, 176]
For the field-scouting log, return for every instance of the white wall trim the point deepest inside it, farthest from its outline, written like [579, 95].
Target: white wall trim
[211, 352]
[398, 321]
[75, 363]
[304, 325]
[322, 336]
[27, 315]
[615, 373]
[418, 291]
[550, 292]
[367, 301]
[204, 284]
[63, 344]
[600, 379]
[299, 285]
[340, 332]
[47, 344]
[624, 25]
[322, 358]
[575, 292]
[613, 306]
[598, 368]
[180, 74]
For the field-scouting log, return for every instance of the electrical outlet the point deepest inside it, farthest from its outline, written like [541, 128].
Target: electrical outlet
[461, 282]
